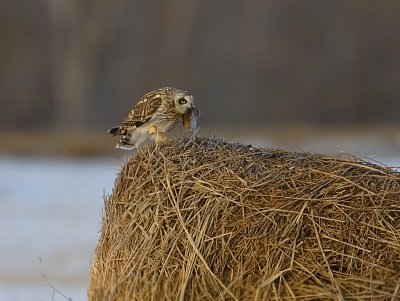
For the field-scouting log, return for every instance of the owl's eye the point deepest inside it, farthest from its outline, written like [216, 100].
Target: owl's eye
[182, 101]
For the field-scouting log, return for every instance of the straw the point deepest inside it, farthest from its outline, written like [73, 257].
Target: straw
[204, 219]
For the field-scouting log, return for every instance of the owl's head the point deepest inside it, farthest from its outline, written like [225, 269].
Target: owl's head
[183, 101]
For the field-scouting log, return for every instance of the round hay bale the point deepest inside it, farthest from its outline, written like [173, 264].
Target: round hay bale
[203, 219]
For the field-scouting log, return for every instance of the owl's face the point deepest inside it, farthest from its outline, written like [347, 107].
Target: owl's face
[183, 102]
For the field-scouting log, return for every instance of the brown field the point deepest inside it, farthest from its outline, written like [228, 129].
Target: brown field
[370, 140]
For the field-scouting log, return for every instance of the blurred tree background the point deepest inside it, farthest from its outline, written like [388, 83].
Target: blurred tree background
[73, 64]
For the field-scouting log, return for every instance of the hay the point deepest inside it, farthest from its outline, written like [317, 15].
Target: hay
[205, 219]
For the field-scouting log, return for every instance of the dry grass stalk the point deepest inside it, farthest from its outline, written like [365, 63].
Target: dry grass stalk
[204, 219]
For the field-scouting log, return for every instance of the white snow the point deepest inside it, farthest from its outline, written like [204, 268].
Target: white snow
[50, 208]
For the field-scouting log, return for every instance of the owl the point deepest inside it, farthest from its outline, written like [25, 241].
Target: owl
[154, 115]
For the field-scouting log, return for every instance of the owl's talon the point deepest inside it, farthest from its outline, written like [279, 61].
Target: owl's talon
[153, 130]
[157, 136]
[161, 138]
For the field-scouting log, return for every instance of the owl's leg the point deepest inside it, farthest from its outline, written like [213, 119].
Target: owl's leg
[161, 137]
[156, 135]
[153, 130]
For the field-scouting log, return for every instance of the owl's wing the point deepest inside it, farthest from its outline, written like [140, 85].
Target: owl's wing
[143, 111]
[140, 114]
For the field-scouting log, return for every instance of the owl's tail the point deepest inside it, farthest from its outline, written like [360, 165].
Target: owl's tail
[130, 138]
[125, 145]
[114, 131]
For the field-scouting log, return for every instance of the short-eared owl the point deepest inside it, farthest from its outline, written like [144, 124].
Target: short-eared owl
[155, 114]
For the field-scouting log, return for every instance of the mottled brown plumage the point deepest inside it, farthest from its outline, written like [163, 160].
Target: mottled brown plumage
[156, 113]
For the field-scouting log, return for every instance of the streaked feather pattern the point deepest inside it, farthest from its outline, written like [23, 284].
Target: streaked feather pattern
[159, 111]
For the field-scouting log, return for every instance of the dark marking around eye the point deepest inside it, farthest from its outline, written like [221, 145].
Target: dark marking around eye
[182, 101]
